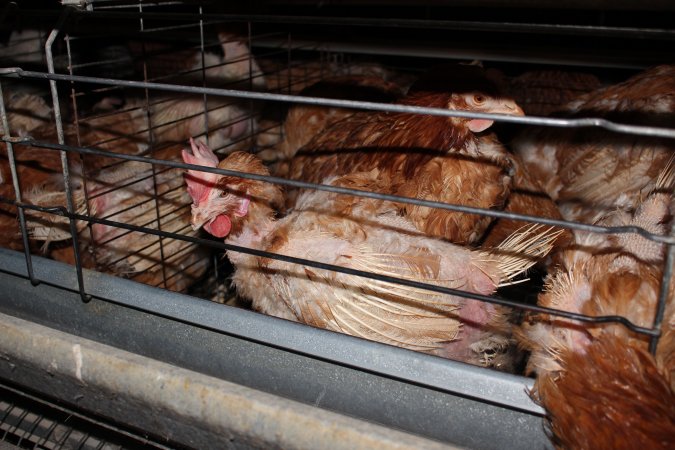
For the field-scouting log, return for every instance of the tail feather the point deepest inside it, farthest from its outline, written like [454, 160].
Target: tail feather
[666, 178]
[523, 249]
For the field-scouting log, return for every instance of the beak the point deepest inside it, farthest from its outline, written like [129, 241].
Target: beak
[508, 107]
[199, 219]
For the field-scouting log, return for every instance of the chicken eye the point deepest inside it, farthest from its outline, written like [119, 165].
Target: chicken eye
[478, 99]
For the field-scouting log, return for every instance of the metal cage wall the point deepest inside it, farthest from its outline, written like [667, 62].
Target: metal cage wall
[169, 369]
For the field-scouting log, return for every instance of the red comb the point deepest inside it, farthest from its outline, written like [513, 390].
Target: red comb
[199, 183]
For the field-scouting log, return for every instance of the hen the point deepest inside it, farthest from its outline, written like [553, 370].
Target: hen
[303, 122]
[345, 231]
[602, 274]
[25, 112]
[235, 68]
[434, 158]
[591, 171]
[223, 121]
[116, 191]
[609, 275]
[614, 395]
[606, 181]
[294, 77]
[599, 386]
[175, 117]
[132, 193]
[542, 92]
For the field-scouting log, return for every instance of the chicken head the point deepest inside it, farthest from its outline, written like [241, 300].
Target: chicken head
[472, 91]
[220, 202]
[212, 206]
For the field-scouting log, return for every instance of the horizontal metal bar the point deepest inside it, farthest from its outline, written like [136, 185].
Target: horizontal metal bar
[177, 27]
[354, 192]
[526, 120]
[179, 407]
[121, 5]
[61, 211]
[146, 5]
[101, 62]
[163, 37]
[159, 263]
[495, 388]
[496, 52]
[503, 27]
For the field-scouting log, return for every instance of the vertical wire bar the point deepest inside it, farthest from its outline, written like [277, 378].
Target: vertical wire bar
[100, 445]
[251, 109]
[15, 429]
[204, 83]
[61, 442]
[85, 437]
[288, 65]
[249, 43]
[151, 143]
[280, 82]
[4, 419]
[48, 434]
[43, 41]
[64, 155]
[218, 276]
[30, 431]
[663, 293]
[76, 122]
[17, 192]
[21, 433]
[327, 58]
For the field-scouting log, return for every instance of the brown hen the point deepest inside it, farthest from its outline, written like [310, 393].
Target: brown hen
[614, 395]
[591, 172]
[25, 112]
[303, 122]
[600, 387]
[542, 92]
[118, 191]
[132, 193]
[435, 158]
[235, 68]
[598, 384]
[344, 231]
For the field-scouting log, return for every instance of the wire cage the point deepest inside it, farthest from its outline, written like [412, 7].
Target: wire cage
[99, 247]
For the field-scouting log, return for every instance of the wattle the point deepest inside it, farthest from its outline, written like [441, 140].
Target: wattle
[219, 227]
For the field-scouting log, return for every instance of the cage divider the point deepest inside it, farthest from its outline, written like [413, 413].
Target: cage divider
[60, 25]
[151, 143]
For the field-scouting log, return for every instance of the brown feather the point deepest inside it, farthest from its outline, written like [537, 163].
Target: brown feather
[429, 157]
[613, 396]
[591, 172]
[341, 230]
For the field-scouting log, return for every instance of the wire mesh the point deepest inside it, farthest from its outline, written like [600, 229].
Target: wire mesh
[146, 235]
[31, 422]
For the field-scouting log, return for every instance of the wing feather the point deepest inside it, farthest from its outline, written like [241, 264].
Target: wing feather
[398, 315]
